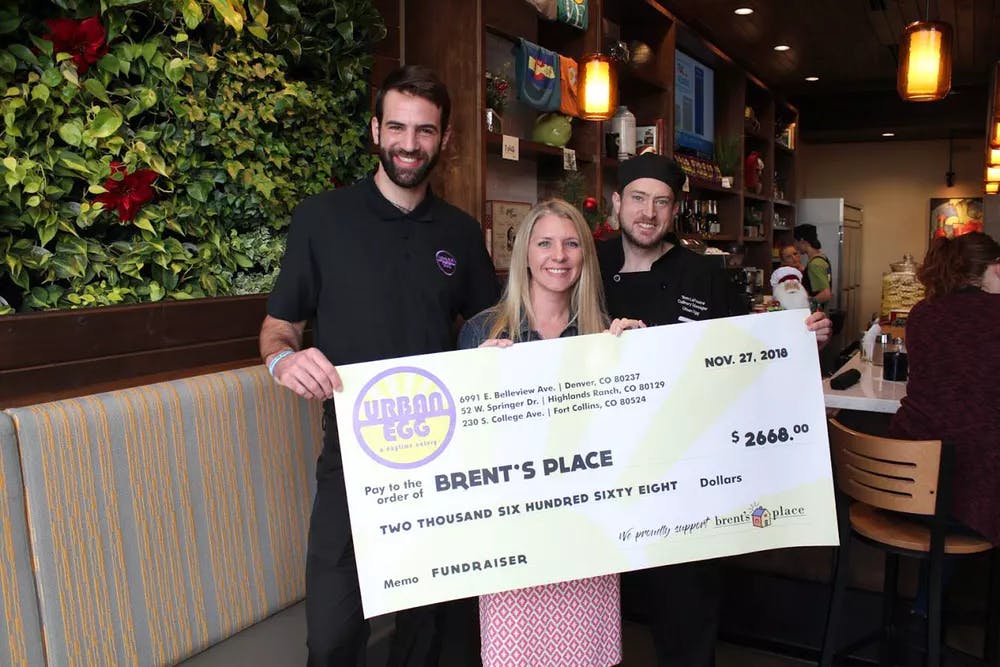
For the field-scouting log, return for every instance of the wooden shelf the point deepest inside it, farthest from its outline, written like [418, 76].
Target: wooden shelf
[528, 148]
[709, 238]
[645, 74]
[776, 228]
[755, 239]
[755, 197]
[784, 202]
[701, 184]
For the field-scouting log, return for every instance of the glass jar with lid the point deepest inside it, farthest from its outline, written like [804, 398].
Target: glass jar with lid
[900, 289]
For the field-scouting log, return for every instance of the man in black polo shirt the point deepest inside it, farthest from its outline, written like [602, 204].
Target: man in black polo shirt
[382, 268]
[647, 276]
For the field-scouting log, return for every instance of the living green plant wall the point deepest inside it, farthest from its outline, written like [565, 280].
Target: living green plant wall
[154, 149]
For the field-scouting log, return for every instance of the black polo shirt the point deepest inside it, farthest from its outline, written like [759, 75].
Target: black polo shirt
[376, 282]
[681, 286]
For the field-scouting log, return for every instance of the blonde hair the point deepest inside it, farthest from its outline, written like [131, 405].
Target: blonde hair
[587, 300]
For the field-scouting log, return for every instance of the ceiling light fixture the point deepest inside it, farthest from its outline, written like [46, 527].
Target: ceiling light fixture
[924, 73]
[888, 134]
[743, 11]
[782, 47]
[598, 87]
[812, 79]
[992, 187]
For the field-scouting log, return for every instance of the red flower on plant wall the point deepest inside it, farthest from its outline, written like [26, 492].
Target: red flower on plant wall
[130, 193]
[86, 40]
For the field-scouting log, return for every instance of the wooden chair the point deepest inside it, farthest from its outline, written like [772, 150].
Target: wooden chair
[887, 477]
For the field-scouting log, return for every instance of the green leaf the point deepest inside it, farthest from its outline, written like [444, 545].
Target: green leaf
[109, 63]
[174, 69]
[192, 13]
[24, 54]
[74, 162]
[9, 23]
[257, 31]
[43, 45]
[142, 222]
[52, 77]
[157, 164]
[199, 190]
[10, 163]
[68, 70]
[155, 291]
[106, 123]
[147, 97]
[346, 30]
[71, 132]
[230, 13]
[8, 63]
[40, 93]
[149, 50]
[96, 88]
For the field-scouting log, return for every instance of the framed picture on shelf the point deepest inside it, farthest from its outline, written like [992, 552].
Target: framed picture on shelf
[650, 137]
[502, 220]
[954, 217]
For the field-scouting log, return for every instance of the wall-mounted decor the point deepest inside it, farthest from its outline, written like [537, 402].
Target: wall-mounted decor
[502, 221]
[957, 216]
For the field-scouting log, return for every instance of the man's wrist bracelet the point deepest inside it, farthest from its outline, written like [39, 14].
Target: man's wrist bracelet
[276, 358]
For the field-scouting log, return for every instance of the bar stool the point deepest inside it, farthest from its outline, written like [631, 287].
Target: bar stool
[886, 477]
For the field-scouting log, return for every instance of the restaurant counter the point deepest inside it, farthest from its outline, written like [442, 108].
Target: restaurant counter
[870, 394]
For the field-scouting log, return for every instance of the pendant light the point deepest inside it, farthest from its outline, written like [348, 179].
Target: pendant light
[598, 92]
[924, 73]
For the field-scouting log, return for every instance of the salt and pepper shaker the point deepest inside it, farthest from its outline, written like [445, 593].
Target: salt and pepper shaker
[881, 341]
[895, 365]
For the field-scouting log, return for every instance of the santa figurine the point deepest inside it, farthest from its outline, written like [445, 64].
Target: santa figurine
[786, 286]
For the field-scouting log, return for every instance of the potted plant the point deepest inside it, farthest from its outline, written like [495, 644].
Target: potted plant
[497, 89]
[727, 156]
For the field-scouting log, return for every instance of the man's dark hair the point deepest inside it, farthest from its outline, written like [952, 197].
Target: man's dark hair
[420, 81]
[808, 234]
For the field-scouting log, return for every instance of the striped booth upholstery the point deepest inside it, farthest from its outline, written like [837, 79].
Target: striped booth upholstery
[20, 630]
[167, 517]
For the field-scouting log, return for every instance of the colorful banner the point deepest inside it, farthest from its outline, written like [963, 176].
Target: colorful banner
[484, 470]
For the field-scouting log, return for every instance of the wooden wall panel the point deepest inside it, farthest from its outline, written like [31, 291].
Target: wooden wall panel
[73, 351]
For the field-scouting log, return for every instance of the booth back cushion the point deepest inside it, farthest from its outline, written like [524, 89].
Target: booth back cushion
[20, 631]
[168, 517]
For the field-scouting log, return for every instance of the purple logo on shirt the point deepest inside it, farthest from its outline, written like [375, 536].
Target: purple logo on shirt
[446, 262]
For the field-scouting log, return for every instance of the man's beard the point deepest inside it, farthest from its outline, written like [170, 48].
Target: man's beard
[645, 245]
[407, 178]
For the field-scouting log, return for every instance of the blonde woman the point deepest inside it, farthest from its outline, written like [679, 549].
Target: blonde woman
[553, 290]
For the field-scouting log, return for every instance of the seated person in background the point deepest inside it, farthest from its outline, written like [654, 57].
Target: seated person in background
[953, 391]
[553, 290]
[790, 257]
[817, 276]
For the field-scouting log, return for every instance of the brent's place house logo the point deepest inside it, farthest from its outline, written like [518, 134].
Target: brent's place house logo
[404, 417]
[759, 516]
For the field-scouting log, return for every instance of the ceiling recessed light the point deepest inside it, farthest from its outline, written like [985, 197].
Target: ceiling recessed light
[743, 11]
[888, 134]
[782, 47]
[811, 79]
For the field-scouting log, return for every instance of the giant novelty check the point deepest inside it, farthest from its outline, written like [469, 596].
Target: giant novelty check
[486, 470]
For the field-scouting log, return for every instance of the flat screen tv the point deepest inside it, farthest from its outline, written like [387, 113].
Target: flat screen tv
[694, 106]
